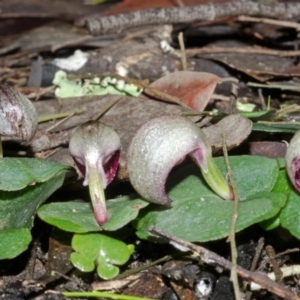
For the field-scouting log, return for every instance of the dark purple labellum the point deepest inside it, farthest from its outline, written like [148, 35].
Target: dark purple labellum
[95, 148]
[292, 158]
[296, 170]
[111, 167]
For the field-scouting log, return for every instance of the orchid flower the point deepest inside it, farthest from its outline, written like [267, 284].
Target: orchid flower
[161, 144]
[18, 117]
[293, 160]
[95, 149]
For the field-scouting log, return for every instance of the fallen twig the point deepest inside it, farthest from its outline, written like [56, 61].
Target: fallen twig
[213, 258]
[242, 50]
[189, 14]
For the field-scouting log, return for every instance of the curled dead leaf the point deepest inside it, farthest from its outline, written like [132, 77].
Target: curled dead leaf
[193, 88]
[235, 127]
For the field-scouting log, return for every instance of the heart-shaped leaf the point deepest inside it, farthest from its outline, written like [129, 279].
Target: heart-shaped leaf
[13, 242]
[17, 173]
[197, 214]
[97, 250]
[194, 88]
[17, 208]
[79, 217]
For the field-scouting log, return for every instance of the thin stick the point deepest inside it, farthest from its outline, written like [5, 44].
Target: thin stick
[286, 272]
[143, 268]
[231, 237]
[288, 24]
[287, 252]
[213, 258]
[276, 268]
[262, 99]
[61, 121]
[190, 14]
[182, 50]
[180, 3]
[1, 149]
[242, 50]
[106, 108]
[256, 257]
[46, 118]
[259, 248]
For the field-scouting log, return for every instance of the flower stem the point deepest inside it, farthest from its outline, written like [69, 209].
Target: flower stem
[1, 149]
[102, 295]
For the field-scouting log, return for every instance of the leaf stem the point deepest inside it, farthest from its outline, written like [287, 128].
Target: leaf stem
[231, 237]
[1, 149]
[103, 295]
[50, 117]
[143, 268]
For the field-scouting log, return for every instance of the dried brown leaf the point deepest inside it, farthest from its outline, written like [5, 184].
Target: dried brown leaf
[194, 88]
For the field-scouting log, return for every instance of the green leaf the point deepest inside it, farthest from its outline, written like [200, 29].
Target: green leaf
[276, 127]
[252, 174]
[17, 208]
[209, 219]
[271, 223]
[13, 242]
[281, 162]
[198, 214]
[99, 250]
[17, 173]
[79, 217]
[290, 215]
[259, 115]
[283, 186]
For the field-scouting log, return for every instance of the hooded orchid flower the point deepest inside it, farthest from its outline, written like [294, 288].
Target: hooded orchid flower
[161, 144]
[18, 117]
[293, 160]
[95, 149]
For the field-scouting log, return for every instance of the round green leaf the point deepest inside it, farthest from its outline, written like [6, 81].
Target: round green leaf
[17, 173]
[99, 250]
[198, 214]
[252, 174]
[271, 223]
[79, 217]
[290, 215]
[18, 208]
[13, 242]
[209, 217]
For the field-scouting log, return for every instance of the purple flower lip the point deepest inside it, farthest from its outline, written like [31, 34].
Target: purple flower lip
[162, 143]
[95, 149]
[292, 158]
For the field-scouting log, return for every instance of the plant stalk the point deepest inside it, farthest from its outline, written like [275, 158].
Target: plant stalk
[1, 149]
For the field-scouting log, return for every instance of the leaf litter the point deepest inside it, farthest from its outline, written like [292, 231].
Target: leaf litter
[147, 53]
